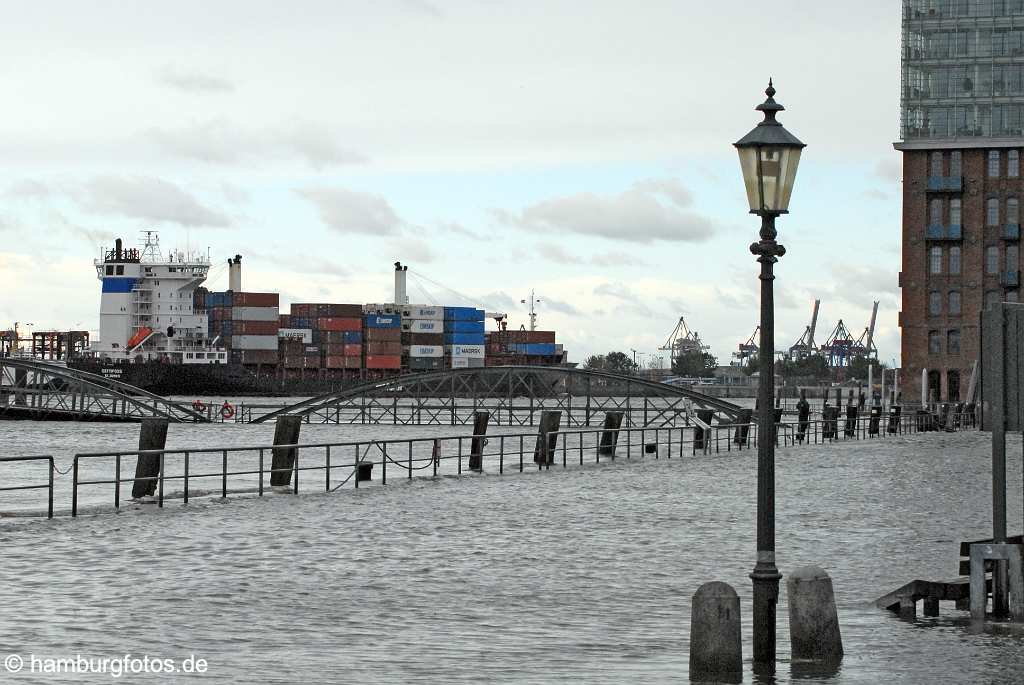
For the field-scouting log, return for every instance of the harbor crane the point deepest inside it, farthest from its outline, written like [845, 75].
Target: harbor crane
[805, 346]
[865, 345]
[841, 348]
[748, 350]
[682, 341]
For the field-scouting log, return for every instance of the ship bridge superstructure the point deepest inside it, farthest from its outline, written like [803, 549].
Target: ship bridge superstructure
[146, 306]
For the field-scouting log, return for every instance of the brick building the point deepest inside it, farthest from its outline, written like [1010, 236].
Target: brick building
[962, 135]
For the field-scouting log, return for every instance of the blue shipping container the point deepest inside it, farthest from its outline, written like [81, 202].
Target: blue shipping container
[384, 321]
[463, 338]
[302, 322]
[463, 314]
[464, 326]
[534, 349]
[352, 337]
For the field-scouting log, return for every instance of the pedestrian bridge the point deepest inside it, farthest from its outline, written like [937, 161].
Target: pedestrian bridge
[514, 396]
[32, 389]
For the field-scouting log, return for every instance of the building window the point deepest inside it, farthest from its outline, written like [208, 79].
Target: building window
[953, 341]
[992, 212]
[953, 385]
[1013, 164]
[110, 271]
[935, 211]
[992, 260]
[934, 343]
[954, 260]
[1012, 257]
[954, 163]
[935, 262]
[993, 164]
[991, 299]
[954, 303]
[936, 164]
[954, 212]
[1011, 295]
[1012, 211]
[935, 303]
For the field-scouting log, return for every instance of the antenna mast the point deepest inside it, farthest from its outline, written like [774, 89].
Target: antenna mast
[533, 311]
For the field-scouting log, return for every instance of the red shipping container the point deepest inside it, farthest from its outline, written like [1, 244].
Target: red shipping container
[385, 349]
[304, 311]
[334, 362]
[255, 328]
[384, 335]
[353, 350]
[383, 362]
[423, 338]
[284, 320]
[331, 336]
[256, 299]
[311, 362]
[333, 349]
[345, 310]
[220, 313]
[259, 356]
[330, 323]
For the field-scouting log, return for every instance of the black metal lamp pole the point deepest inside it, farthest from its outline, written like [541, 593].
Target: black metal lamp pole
[769, 156]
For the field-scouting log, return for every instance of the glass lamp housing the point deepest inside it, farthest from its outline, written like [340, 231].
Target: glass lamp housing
[769, 157]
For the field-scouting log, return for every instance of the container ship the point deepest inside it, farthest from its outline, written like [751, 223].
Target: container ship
[162, 331]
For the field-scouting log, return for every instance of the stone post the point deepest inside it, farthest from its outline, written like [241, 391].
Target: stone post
[716, 651]
[547, 437]
[813, 622]
[286, 432]
[610, 434]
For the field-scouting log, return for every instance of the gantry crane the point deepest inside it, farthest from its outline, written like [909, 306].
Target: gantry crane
[865, 345]
[682, 341]
[805, 346]
[748, 350]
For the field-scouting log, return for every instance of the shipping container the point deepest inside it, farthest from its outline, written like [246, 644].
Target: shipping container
[255, 300]
[345, 310]
[522, 336]
[423, 326]
[383, 335]
[301, 334]
[335, 362]
[311, 350]
[533, 349]
[463, 338]
[425, 363]
[383, 349]
[463, 314]
[333, 349]
[423, 311]
[254, 342]
[464, 327]
[384, 321]
[352, 337]
[383, 362]
[467, 350]
[219, 313]
[306, 311]
[221, 299]
[199, 298]
[291, 348]
[426, 351]
[353, 350]
[474, 362]
[259, 356]
[303, 322]
[284, 320]
[255, 314]
[460, 362]
[423, 338]
[373, 308]
[255, 327]
[332, 323]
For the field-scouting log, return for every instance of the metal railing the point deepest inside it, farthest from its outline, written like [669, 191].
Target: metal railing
[35, 486]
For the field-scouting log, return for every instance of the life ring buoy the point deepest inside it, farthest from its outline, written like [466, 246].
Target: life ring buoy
[198, 406]
[227, 411]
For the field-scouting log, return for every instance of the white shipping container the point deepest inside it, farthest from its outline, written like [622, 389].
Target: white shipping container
[475, 362]
[422, 326]
[254, 313]
[254, 342]
[476, 351]
[304, 335]
[426, 351]
[423, 311]
[460, 362]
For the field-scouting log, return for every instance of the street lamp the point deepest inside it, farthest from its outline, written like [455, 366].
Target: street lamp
[769, 156]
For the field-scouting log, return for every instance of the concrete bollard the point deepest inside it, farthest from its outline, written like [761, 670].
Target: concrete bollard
[152, 436]
[610, 434]
[813, 621]
[716, 651]
[894, 418]
[286, 432]
[874, 418]
[547, 437]
[476, 448]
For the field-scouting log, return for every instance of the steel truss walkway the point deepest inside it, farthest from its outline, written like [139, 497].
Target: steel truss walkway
[39, 390]
[514, 395]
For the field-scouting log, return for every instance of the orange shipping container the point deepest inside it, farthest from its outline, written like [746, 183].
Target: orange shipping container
[255, 299]
[383, 335]
[255, 327]
[338, 323]
[353, 350]
[383, 362]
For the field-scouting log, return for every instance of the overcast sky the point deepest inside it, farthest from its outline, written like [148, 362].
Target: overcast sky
[583, 150]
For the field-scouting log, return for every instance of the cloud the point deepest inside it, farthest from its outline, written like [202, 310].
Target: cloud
[219, 141]
[875, 194]
[859, 284]
[350, 211]
[455, 228]
[559, 306]
[500, 300]
[650, 210]
[411, 250]
[422, 7]
[145, 197]
[191, 81]
[889, 169]
[734, 299]
[616, 259]
[29, 189]
[93, 237]
[617, 290]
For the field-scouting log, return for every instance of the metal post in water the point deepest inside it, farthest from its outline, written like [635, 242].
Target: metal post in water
[476, 450]
[286, 432]
[152, 436]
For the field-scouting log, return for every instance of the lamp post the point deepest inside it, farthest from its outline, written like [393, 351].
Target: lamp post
[769, 156]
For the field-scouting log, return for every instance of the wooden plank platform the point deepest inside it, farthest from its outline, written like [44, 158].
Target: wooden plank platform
[904, 600]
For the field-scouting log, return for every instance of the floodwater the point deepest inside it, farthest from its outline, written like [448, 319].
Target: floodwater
[582, 574]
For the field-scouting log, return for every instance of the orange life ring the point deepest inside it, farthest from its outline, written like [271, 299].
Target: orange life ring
[227, 411]
[198, 406]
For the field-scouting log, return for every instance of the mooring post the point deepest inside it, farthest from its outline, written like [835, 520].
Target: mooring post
[610, 434]
[152, 436]
[476, 448]
[851, 417]
[700, 436]
[286, 432]
[813, 622]
[547, 437]
[743, 426]
[716, 650]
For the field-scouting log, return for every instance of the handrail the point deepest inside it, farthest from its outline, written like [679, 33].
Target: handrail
[49, 484]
